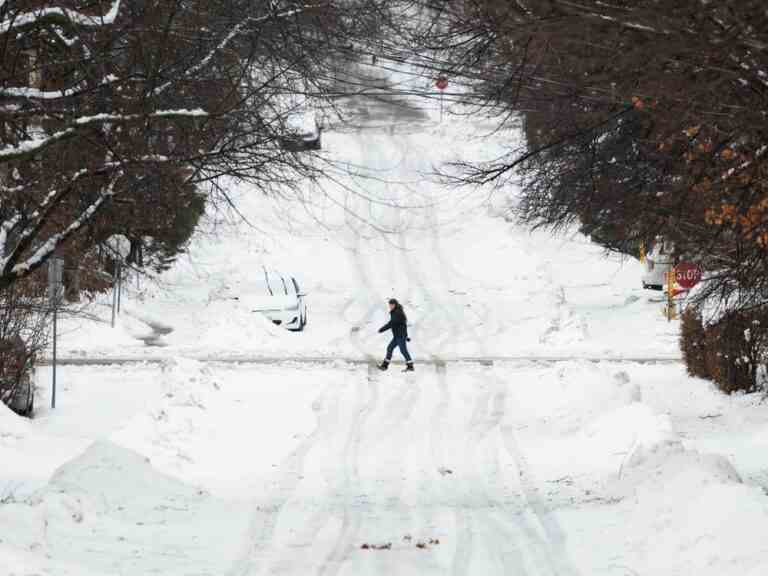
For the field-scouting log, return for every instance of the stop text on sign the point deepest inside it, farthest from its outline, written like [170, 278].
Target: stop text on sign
[687, 275]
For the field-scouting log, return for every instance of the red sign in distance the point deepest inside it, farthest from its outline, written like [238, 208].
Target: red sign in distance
[687, 275]
[442, 83]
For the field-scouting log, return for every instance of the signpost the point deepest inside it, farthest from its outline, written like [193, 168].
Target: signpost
[442, 84]
[55, 291]
[121, 249]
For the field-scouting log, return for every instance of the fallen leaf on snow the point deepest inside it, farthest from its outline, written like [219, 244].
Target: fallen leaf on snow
[366, 546]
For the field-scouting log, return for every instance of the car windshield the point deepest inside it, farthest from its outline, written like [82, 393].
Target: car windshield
[263, 284]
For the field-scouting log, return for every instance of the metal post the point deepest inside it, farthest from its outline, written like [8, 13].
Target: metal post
[55, 289]
[55, 315]
[442, 95]
[670, 295]
[114, 299]
[119, 285]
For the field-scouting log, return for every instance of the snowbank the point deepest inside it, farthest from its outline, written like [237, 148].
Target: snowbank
[109, 511]
[223, 428]
[12, 426]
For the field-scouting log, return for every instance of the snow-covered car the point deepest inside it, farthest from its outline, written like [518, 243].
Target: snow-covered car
[280, 298]
[302, 132]
[658, 263]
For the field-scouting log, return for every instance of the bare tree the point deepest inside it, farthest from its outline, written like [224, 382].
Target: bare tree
[640, 118]
[121, 107]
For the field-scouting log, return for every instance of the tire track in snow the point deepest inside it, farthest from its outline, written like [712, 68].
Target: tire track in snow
[364, 280]
[375, 299]
[264, 523]
[547, 550]
[481, 425]
[553, 546]
[398, 410]
[442, 465]
[309, 530]
[350, 480]
[437, 251]
[551, 551]
[487, 414]
[464, 518]
[555, 551]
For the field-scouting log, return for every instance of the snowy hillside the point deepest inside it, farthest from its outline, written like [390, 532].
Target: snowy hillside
[549, 428]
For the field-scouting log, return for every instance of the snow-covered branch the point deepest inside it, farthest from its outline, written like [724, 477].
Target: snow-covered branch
[48, 247]
[234, 33]
[34, 145]
[60, 14]
[135, 102]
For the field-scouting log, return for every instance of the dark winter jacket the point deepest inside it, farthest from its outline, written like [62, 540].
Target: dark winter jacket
[398, 323]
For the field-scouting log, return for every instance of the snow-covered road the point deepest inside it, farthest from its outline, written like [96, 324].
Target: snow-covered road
[515, 468]
[547, 430]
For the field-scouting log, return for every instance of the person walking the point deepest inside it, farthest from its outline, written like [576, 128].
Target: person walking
[398, 323]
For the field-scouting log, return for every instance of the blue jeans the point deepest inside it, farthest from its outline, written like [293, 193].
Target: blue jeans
[398, 342]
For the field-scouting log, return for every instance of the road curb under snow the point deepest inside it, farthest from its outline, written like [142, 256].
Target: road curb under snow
[432, 361]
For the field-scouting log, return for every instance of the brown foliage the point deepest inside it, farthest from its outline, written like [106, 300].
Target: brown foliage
[693, 344]
[731, 352]
[641, 118]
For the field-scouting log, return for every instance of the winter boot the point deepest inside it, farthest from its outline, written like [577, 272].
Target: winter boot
[409, 367]
[384, 365]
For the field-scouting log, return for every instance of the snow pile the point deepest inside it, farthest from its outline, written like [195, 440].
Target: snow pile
[677, 513]
[91, 337]
[681, 511]
[168, 425]
[218, 427]
[108, 511]
[12, 426]
[650, 434]
[222, 330]
[689, 513]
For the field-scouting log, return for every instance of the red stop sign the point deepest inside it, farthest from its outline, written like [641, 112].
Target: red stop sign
[442, 83]
[687, 275]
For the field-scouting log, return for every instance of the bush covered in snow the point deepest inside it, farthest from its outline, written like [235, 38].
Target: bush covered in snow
[732, 351]
[693, 344]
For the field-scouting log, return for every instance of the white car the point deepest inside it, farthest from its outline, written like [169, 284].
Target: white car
[658, 263]
[278, 297]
